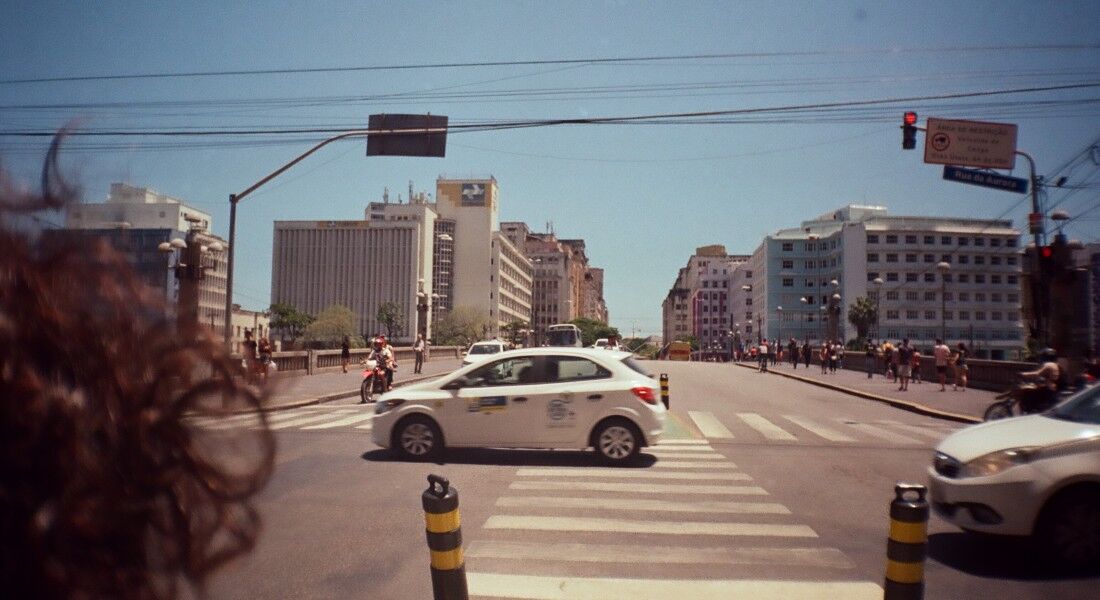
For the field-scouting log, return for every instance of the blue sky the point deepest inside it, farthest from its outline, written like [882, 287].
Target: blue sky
[642, 196]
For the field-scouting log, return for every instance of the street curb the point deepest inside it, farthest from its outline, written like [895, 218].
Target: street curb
[902, 404]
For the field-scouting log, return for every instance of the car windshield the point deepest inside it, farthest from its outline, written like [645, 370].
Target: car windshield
[1081, 408]
[485, 349]
[566, 337]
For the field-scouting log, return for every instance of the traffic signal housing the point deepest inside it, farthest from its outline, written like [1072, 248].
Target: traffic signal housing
[909, 131]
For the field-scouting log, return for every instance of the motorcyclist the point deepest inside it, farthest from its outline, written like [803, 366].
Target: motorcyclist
[1046, 379]
[382, 354]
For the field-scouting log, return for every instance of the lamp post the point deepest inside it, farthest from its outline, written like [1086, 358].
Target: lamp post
[192, 263]
[878, 299]
[944, 268]
[421, 309]
[779, 320]
[821, 323]
[805, 301]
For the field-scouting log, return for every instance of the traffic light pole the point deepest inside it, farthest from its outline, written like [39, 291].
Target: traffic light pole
[1038, 278]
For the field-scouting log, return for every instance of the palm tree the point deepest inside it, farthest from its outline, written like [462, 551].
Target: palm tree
[863, 315]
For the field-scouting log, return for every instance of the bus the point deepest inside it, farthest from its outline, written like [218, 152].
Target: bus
[679, 351]
[563, 334]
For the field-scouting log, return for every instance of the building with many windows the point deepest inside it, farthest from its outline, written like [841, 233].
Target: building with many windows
[701, 303]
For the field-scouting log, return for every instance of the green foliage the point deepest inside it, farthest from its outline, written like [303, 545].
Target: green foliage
[288, 320]
[515, 332]
[640, 347]
[330, 327]
[390, 316]
[863, 314]
[461, 327]
[592, 330]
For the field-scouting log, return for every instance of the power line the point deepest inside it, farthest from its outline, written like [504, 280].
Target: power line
[545, 62]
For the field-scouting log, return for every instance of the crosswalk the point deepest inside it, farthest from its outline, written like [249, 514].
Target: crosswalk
[741, 427]
[692, 525]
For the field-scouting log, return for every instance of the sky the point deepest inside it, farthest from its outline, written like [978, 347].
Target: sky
[643, 195]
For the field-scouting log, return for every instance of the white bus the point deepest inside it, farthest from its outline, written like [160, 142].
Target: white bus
[563, 334]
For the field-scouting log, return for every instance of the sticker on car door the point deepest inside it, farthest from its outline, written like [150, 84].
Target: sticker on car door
[487, 404]
[560, 414]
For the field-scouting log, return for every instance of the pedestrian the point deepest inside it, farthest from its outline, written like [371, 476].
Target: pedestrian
[250, 358]
[888, 360]
[824, 356]
[905, 356]
[807, 353]
[773, 350]
[418, 351]
[839, 355]
[962, 369]
[942, 355]
[763, 355]
[834, 356]
[264, 365]
[792, 349]
[915, 364]
[869, 358]
[345, 353]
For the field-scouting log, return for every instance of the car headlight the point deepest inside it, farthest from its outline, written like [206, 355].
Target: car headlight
[999, 461]
[385, 405]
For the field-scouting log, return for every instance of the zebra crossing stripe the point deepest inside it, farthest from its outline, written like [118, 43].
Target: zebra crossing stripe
[631, 474]
[936, 435]
[677, 464]
[709, 425]
[831, 558]
[766, 428]
[713, 456]
[348, 421]
[677, 442]
[300, 421]
[881, 433]
[681, 449]
[633, 526]
[641, 488]
[825, 432]
[533, 587]
[710, 506]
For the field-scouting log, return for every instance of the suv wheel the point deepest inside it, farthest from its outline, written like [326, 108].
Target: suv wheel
[1069, 529]
[417, 437]
[617, 441]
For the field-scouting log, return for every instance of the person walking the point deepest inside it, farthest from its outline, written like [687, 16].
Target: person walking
[942, 355]
[915, 364]
[807, 353]
[763, 356]
[905, 356]
[345, 353]
[869, 358]
[824, 356]
[264, 364]
[418, 351]
[834, 356]
[962, 369]
[888, 360]
[250, 359]
[792, 349]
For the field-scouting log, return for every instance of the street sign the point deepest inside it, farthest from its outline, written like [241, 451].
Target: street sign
[407, 135]
[970, 144]
[985, 179]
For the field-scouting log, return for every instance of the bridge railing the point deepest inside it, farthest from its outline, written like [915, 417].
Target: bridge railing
[310, 362]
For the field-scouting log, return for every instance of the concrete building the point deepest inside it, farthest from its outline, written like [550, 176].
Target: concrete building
[595, 307]
[841, 253]
[699, 302]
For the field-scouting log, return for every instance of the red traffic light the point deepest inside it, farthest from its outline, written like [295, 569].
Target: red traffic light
[910, 118]
[1047, 252]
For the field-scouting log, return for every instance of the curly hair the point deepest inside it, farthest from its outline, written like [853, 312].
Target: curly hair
[109, 485]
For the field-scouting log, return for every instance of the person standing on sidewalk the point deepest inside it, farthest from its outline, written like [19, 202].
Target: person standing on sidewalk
[869, 356]
[905, 356]
[418, 351]
[792, 349]
[942, 354]
[345, 353]
[763, 356]
[807, 353]
[915, 364]
[961, 368]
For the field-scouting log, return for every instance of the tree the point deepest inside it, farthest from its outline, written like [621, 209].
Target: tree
[461, 327]
[863, 314]
[592, 330]
[330, 327]
[515, 331]
[288, 320]
[389, 315]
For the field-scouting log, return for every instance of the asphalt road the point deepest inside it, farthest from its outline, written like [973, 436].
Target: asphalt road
[767, 488]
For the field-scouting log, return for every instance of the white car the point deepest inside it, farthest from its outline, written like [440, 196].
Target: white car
[1034, 475]
[479, 351]
[530, 398]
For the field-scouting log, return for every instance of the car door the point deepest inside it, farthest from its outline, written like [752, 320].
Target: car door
[492, 401]
[575, 392]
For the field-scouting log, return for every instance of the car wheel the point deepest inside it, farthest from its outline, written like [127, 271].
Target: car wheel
[617, 441]
[998, 410]
[1069, 530]
[417, 437]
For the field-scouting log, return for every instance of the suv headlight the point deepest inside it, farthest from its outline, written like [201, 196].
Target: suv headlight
[385, 405]
[999, 461]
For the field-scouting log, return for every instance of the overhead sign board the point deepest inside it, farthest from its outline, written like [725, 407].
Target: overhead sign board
[970, 144]
[407, 135]
[985, 179]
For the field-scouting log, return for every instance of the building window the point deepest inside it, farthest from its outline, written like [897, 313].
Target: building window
[964, 241]
[946, 296]
[948, 315]
[964, 315]
[891, 277]
[929, 239]
[964, 296]
[964, 278]
[995, 315]
[892, 315]
[994, 242]
[994, 279]
[979, 315]
[911, 276]
[947, 277]
[928, 258]
[891, 239]
[979, 297]
[748, 301]
[978, 241]
[929, 296]
[929, 314]
[979, 260]
[788, 264]
[892, 295]
[912, 295]
[910, 258]
[748, 274]
[910, 239]
[979, 278]
[945, 240]
[1012, 279]
[964, 259]
[911, 314]
[872, 238]
[788, 246]
[891, 258]
[788, 282]
[1013, 298]
[995, 297]
[929, 277]
[1011, 260]
[872, 276]
[872, 258]
[1010, 243]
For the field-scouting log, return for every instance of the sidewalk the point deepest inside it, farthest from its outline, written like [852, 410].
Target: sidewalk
[300, 390]
[924, 398]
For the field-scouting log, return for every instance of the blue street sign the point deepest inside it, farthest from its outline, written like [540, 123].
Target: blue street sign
[985, 179]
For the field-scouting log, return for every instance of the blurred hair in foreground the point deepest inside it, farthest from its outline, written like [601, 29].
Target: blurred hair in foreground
[108, 488]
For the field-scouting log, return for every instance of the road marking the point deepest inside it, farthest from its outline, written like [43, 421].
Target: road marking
[228, 422]
[630, 474]
[607, 553]
[825, 432]
[348, 421]
[880, 432]
[642, 488]
[284, 424]
[745, 508]
[936, 435]
[692, 442]
[714, 458]
[707, 464]
[766, 428]
[709, 425]
[681, 449]
[635, 526]
[531, 587]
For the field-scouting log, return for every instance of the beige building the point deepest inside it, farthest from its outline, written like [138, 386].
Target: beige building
[594, 305]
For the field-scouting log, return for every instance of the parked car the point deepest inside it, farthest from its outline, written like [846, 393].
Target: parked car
[479, 351]
[1036, 475]
[529, 398]
[600, 343]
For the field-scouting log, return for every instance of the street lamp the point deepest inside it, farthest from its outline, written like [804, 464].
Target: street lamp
[193, 260]
[877, 281]
[421, 309]
[779, 319]
[944, 268]
[821, 324]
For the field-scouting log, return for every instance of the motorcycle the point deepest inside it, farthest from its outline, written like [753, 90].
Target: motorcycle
[374, 381]
[1020, 400]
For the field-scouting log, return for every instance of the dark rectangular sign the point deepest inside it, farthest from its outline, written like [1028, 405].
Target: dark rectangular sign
[407, 135]
[985, 179]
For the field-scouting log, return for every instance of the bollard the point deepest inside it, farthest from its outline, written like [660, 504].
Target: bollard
[444, 539]
[907, 546]
[664, 389]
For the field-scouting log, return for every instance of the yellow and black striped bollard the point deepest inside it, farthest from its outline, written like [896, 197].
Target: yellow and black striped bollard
[444, 539]
[908, 543]
[664, 389]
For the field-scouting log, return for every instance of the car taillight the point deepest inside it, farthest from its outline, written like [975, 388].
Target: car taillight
[645, 394]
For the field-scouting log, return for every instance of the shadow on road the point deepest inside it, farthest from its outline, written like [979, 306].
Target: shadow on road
[997, 557]
[517, 458]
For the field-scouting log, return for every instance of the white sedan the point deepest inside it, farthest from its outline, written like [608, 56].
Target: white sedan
[1034, 475]
[479, 351]
[529, 398]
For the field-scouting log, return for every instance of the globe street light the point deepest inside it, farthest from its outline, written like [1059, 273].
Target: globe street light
[877, 281]
[944, 268]
[779, 319]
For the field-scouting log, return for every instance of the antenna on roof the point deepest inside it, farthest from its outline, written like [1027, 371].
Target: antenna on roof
[386, 195]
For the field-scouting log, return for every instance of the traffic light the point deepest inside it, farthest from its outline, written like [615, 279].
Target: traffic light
[909, 131]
